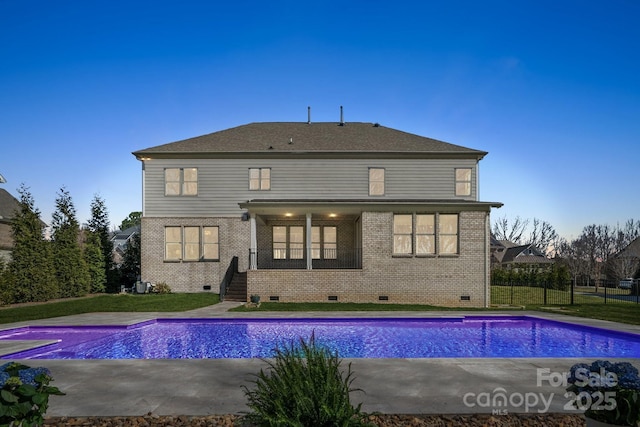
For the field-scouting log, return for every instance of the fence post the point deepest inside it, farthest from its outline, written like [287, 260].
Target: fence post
[511, 295]
[605, 293]
[545, 292]
[572, 285]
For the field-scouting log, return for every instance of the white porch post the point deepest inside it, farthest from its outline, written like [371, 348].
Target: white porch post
[253, 254]
[308, 245]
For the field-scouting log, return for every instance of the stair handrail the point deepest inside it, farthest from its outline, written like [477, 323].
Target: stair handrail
[228, 277]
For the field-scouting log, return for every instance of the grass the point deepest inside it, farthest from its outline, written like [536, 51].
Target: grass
[523, 295]
[108, 303]
[623, 312]
[341, 306]
[616, 312]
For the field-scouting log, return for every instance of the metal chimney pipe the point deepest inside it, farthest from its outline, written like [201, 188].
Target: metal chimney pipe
[308, 115]
[341, 117]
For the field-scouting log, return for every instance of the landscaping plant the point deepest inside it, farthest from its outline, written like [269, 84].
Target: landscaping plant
[24, 394]
[303, 386]
[608, 392]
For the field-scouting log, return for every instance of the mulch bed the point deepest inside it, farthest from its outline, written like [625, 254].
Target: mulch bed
[380, 420]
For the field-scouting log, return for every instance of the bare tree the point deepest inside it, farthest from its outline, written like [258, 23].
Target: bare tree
[503, 229]
[543, 236]
[574, 256]
[626, 260]
[599, 245]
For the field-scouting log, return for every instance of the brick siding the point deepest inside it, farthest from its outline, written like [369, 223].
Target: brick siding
[438, 281]
[192, 276]
[435, 280]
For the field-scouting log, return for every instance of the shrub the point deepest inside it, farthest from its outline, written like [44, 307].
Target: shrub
[24, 394]
[162, 288]
[303, 386]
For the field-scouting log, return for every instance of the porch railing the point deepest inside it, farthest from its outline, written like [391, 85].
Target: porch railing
[275, 259]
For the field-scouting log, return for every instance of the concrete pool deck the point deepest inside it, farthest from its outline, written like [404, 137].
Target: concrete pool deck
[213, 386]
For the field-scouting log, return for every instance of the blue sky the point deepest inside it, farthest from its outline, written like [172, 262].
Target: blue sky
[551, 89]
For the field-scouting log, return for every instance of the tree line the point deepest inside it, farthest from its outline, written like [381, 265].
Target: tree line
[599, 252]
[73, 262]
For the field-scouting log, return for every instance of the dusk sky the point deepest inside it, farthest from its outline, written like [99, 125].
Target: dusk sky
[551, 89]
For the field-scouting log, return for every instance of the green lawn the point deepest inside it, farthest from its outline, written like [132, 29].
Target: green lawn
[526, 295]
[109, 303]
[615, 312]
[341, 306]
[585, 306]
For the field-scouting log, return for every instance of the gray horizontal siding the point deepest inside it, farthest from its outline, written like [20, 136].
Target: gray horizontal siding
[223, 183]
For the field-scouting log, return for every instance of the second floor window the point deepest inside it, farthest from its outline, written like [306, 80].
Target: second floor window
[376, 181]
[463, 182]
[181, 182]
[259, 179]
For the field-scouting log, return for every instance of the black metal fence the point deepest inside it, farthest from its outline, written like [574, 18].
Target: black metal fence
[562, 293]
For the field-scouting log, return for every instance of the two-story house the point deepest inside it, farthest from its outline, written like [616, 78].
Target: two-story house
[348, 212]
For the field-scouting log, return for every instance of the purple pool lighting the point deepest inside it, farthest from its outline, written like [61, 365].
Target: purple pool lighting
[472, 336]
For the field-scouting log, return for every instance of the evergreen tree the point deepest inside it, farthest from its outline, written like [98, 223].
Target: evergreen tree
[133, 219]
[6, 290]
[94, 259]
[130, 269]
[98, 225]
[71, 268]
[31, 273]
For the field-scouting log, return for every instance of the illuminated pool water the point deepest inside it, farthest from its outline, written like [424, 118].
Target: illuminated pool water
[470, 336]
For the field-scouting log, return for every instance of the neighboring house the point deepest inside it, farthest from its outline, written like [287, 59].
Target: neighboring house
[626, 263]
[120, 240]
[523, 257]
[8, 206]
[348, 212]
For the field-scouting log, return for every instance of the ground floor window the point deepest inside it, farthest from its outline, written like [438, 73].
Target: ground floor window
[191, 243]
[425, 234]
[288, 242]
[324, 243]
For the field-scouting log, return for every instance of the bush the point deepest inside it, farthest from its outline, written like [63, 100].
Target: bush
[24, 394]
[162, 288]
[303, 386]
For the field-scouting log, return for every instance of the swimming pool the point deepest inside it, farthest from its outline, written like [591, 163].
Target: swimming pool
[469, 336]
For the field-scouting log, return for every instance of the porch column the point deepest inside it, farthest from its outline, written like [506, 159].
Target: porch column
[253, 250]
[308, 244]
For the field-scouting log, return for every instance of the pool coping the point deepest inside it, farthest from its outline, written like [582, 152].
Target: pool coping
[214, 386]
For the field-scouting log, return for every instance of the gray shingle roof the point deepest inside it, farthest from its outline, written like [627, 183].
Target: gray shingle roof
[8, 205]
[296, 137]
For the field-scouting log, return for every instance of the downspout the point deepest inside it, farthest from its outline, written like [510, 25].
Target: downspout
[143, 192]
[487, 280]
[308, 242]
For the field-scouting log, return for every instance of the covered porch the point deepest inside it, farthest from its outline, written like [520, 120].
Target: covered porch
[303, 236]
